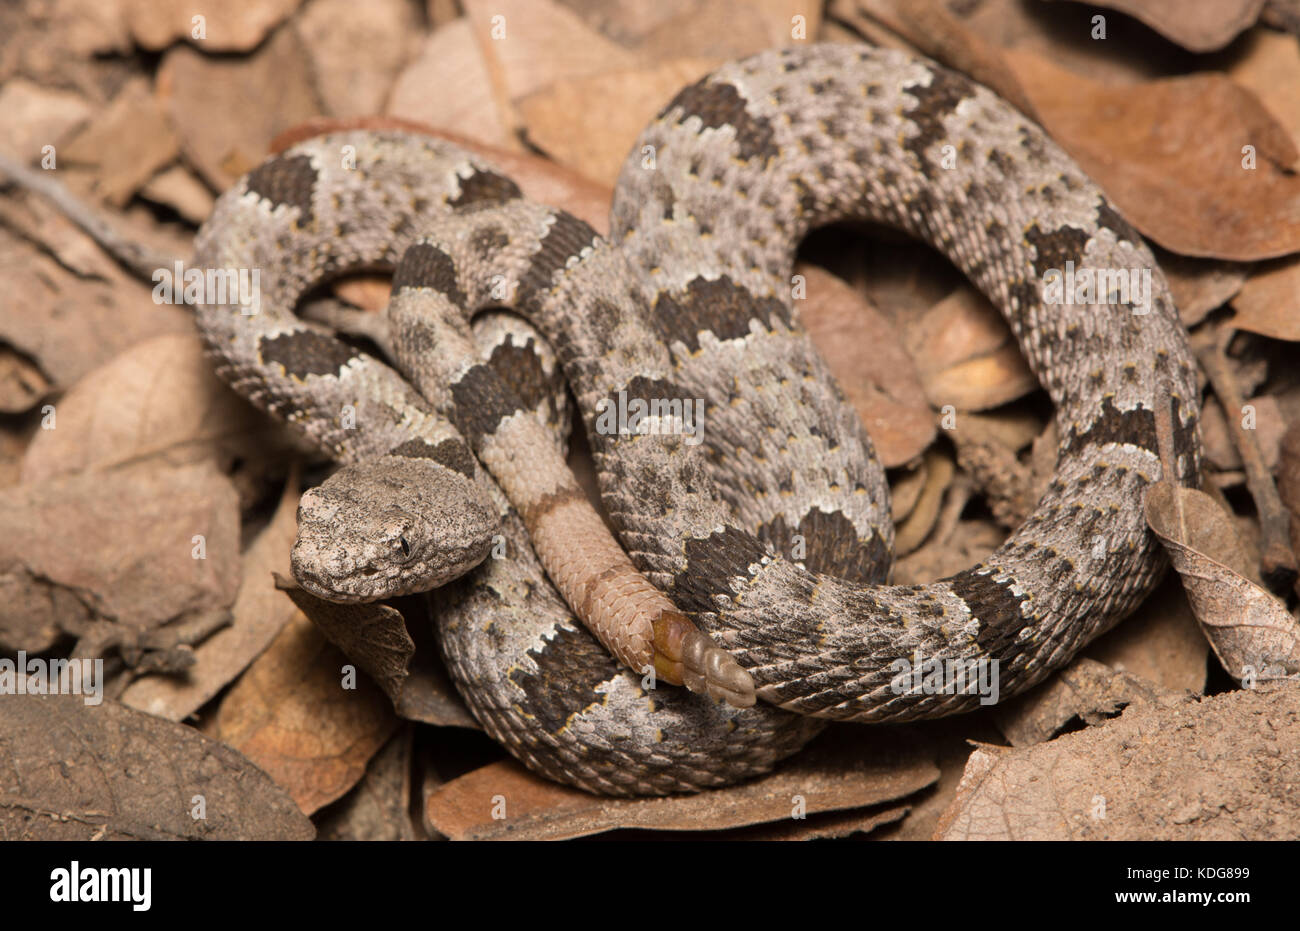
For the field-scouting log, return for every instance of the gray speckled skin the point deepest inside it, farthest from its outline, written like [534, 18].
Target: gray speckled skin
[690, 297]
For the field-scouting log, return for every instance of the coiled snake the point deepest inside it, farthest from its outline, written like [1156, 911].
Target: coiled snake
[771, 535]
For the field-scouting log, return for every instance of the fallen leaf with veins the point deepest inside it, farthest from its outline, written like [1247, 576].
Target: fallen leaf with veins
[116, 547]
[104, 772]
[873, 769]
[1250, 630]
[377, 638]
[259, 613]
[292, 715]
[1218, 768]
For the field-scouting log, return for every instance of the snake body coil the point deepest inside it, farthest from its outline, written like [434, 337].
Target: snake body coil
[772, 534]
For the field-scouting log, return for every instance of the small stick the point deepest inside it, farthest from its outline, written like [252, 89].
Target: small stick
[138, 259]
[1277, 560]
[1164, 417]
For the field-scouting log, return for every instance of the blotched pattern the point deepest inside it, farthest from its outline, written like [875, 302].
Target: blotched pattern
[690, 298]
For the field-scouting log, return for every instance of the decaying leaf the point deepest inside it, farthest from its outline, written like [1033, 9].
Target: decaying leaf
[241, 25]
[1218, 768]
[877, 375]
[1160, 642]
[1197, 25]
[306, 716]
[1269, 302]
[84, 322]
[36, 116]
[1270, 68]
[104, 772]
[1145, 145]
[1250, 630]
[1199, 286]
[158, 401]
[1265, 418]
[921, 518]
[969, 542]
[966, 355]
[206, 101]
[122, 146]
[503, 800]
[450, 59]
[533, 43]
[1086, 690]
[375, 636]
[259, 613]
[379, 808]
[356, 50]
[118, 546]
[590, 122]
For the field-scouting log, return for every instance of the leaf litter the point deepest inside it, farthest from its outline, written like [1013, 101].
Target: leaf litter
[119, 449]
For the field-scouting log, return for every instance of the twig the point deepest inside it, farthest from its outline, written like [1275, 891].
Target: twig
[1277, 561]
[139, 259]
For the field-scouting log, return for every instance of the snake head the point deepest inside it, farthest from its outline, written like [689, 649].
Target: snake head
[389, 527]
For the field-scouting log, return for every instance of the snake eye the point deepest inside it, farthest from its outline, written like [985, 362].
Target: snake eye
[406, 547]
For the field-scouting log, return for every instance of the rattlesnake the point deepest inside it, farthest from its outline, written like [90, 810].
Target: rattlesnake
[772, 535]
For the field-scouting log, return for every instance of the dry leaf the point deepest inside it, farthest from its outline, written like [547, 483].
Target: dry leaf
[1249, 629]
[1288, 479]
[827, 776]
[36, 116]
[1160, 641]
[1146, 145]
[590, 122]
[259, 613]
[966, 355]
[104, 772]
[939, 471]
[533, 43]
[451, 60]
[83, 323]
[1221, 768]
[1199, 286]
[121, 147]
[1086, 690]
[356, 51]
[31, 218]
[178, 189]
[1269, 302]
[868, 360]
[1266, 416]
[158, 401]
[700, 28]
[950, 739]
[207, 102]
[375, 636]
[905, 489]
[117, 546]
[22, 383]
[236, 26]
[304, 718]
[1270, 68]
[379, 808]
[969, 542]
[1196, 25]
